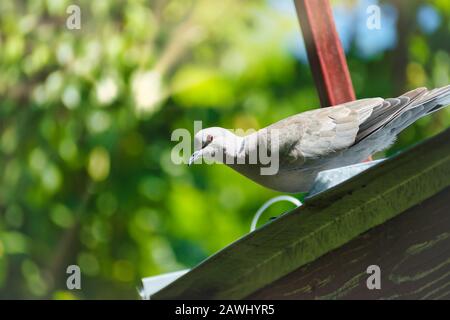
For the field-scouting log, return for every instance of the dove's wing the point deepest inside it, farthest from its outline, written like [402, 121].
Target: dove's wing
[332, 129]
[318, 133]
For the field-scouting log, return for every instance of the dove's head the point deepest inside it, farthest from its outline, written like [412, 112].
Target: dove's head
[212, 144]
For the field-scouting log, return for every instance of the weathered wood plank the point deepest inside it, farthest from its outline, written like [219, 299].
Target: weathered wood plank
[325, 53]
[325, 222]
[412, 251]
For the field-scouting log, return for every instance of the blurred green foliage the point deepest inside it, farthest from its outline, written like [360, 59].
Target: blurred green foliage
[86, 118]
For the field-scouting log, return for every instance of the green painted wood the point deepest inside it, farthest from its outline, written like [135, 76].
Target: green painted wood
[412, 251]
[325, 222]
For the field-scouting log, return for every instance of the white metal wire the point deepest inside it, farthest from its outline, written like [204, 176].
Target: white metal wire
[268, 204]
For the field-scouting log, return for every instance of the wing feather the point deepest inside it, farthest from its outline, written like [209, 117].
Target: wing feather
[329, 130]
[318, 133]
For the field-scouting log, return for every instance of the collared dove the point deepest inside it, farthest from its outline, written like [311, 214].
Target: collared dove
[320, 139]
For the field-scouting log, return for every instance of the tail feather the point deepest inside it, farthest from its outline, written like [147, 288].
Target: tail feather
[396, 114]
[442, 100]
[431, 101]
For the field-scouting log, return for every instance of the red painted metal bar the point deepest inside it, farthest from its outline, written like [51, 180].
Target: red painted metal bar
[325, 53]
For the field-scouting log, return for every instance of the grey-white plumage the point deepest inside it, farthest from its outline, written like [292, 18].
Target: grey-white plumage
[322, 139]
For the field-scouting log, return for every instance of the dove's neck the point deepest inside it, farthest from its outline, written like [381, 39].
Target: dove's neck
[231, 146]
[238, 148]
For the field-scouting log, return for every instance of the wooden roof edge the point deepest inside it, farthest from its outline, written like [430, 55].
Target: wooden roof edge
[323, 223]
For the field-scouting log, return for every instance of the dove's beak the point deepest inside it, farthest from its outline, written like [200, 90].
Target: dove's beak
[196, 155]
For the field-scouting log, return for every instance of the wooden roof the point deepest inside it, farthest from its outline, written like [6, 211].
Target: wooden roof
[325, 222]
